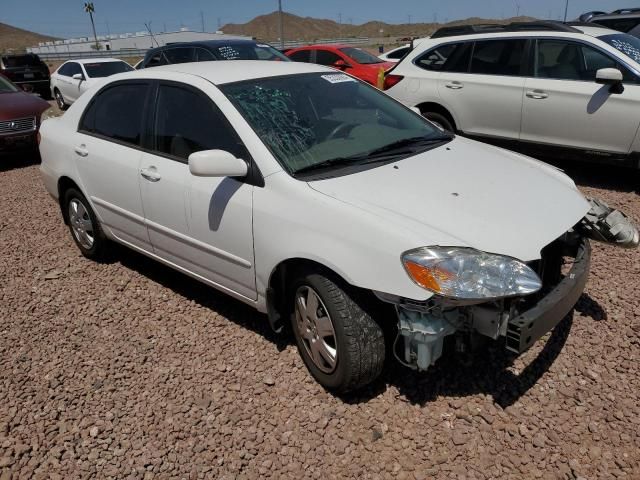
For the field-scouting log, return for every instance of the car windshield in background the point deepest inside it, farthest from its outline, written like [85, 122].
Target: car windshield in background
[106, 69]
[360, 56]
[249, 52]
[627, 44]
[11, 61]
[6, 86]
[328, 121]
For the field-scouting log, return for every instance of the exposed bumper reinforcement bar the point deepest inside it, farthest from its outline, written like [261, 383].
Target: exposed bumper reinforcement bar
[528, 327]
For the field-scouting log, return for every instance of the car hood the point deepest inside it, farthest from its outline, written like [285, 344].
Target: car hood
[467, 194]
[20, 104]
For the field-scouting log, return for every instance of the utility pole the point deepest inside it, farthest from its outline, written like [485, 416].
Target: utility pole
[88, 7]
[202, 20]
[281, 25]
[566, 10]
[340, 25]
[409, 19]
[219, 23]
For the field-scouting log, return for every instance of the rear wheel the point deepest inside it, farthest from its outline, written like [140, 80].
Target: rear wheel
[62, 104]
[440, 120]
[340, 343]
[84, 226]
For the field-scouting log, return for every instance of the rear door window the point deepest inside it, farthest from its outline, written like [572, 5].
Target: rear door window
[454, 57]
[116, 113]
[301, 56]
[499, 57]
[203, 55]
[325, 57]
[179, 55]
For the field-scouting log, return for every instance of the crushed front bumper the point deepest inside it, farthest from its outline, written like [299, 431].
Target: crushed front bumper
[528, 327]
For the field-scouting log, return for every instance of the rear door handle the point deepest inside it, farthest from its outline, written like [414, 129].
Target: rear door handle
[82, 150]
[537, 94]
[454, 85]
[150, 174]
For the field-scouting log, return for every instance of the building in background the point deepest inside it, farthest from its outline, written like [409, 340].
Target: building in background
[121, 43]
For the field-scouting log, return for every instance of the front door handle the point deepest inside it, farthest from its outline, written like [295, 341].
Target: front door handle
[454, 85]
[537, 94]
[82, 150]
[150, 174]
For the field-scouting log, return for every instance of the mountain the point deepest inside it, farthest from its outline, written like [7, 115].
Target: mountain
[265, 27]
[17, 39]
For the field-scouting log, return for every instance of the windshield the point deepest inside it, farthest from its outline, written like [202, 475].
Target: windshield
[320, 118]
[13, 61]
[6, 86]
[627, 44]
[249, 52]
[105, 69]
[360, 56]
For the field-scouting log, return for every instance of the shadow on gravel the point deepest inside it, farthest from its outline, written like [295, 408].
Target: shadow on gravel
[607, 177]
[485, 372]
[205, 296]
[15, 161]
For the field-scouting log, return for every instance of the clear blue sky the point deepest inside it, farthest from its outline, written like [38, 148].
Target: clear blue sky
[66, 18]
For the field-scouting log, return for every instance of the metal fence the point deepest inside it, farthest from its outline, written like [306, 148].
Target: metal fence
[128, 53]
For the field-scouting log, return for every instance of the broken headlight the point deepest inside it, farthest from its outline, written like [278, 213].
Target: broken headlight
[469, 274]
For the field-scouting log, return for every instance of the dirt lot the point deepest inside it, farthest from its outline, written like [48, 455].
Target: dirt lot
[130, 370]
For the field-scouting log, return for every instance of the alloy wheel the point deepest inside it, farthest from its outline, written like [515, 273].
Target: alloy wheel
[81, 224]
[316, 329]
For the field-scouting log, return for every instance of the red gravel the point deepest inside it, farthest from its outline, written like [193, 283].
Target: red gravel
[130, 370]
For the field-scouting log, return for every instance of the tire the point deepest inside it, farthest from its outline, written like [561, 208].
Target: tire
[46, 94]
[440, 120]
[84, 226]
[358, 340]
[62, 104]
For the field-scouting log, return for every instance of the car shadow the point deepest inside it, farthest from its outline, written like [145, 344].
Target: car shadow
[487, 371]
[14, 161]
[607, 177]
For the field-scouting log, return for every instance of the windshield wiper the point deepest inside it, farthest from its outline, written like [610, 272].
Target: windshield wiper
[378, 155]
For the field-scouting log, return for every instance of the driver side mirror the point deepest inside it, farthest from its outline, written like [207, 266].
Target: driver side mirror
[217, 163]
[612, 77]
[341, 64]
[78, 76]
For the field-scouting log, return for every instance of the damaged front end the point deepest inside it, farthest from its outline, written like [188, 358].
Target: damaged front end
[519, 321]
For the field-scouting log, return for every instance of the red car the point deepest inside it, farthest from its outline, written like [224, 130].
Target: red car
[20, 114]
[351, 60]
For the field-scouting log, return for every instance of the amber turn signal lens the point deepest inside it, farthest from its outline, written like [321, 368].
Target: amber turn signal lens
[423, 276]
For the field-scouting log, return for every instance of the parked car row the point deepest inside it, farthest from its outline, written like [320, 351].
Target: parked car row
[269, 180]
[540, 87]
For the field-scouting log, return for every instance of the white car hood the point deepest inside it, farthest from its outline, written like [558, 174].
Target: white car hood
[467, 194]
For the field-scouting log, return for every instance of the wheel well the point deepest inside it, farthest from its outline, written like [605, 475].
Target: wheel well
[437, 108]
[64, 184]
[287, 270]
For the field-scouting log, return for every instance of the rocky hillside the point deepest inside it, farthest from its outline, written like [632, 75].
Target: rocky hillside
[17, 39]
[265, 27]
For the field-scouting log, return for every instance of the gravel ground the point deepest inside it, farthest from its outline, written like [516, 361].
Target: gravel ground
[130, 370]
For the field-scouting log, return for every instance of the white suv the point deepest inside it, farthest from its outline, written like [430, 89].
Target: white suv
[543, 85]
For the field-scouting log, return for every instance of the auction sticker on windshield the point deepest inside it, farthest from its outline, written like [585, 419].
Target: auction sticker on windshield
[338, 78]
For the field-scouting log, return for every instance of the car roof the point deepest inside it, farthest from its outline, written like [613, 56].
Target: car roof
[592, 31]
[209, 43]
[229, 71]
[95, 60]
[331, 46]
[617, 16]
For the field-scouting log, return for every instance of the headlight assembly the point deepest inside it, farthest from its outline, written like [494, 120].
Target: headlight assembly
[469, 274]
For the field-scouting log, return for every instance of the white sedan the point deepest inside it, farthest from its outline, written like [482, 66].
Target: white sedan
[323, 202]
[75, 77]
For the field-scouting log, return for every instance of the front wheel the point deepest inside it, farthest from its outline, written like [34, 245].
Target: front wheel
[440, 120]
[340, 343]
[60, 101]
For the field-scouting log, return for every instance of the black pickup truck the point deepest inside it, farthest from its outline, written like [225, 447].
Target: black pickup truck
[28, 72]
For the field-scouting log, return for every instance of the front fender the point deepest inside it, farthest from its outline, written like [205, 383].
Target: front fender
[291, 220]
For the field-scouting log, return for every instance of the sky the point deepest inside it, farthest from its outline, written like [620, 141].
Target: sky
[66, 18]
